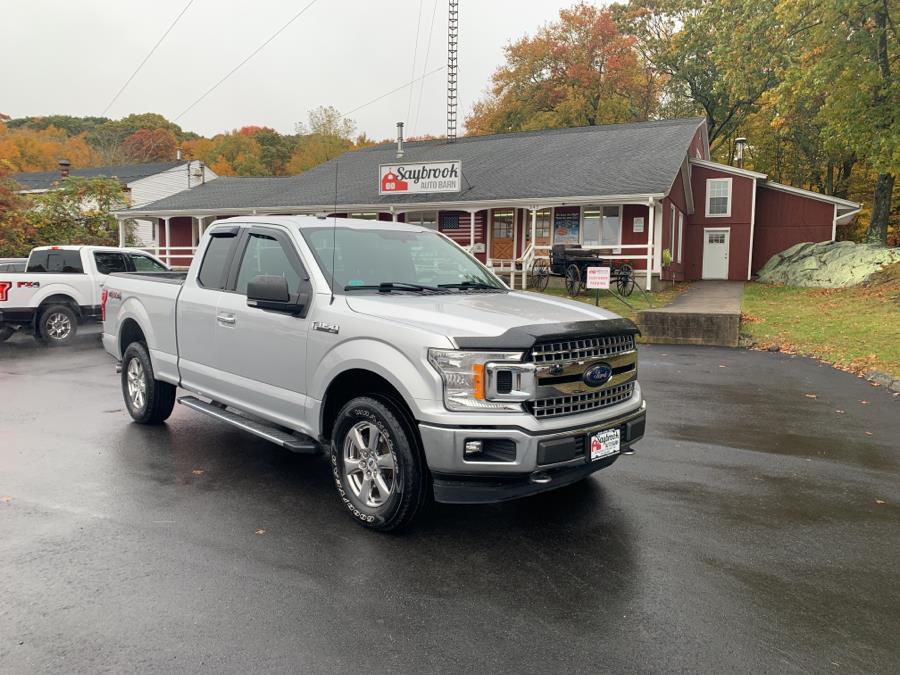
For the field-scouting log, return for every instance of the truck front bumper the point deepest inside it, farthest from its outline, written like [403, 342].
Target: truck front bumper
[517, 463]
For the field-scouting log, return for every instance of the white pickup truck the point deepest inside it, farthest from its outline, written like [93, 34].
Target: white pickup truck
[61, 287]
[386, 346]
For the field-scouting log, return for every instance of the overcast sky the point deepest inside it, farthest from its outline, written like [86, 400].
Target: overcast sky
[71, 56]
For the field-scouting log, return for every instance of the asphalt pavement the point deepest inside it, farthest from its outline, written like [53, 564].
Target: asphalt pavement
[756, 529]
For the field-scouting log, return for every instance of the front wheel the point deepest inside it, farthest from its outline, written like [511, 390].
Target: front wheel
[148, 400]
[378, 469]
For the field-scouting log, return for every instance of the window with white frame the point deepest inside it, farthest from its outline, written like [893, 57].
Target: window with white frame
[427, 219]
[602, 226]
[718, 197]
[541, 225]
[680, 240]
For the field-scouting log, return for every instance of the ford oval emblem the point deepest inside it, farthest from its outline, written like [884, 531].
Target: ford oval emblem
[597, 376]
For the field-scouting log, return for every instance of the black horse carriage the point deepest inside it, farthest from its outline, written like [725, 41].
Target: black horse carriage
[572, 261]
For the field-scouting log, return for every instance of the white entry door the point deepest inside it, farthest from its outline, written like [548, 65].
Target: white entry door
[715, 254]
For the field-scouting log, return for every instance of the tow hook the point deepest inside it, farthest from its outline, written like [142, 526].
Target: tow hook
[540, 477]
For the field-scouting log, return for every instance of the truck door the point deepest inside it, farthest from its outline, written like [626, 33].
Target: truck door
[196, 315]
[262, 353]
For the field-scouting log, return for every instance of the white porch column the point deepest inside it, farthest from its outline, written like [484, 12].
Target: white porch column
[472, 230]
[534, 211]
[122, 232]
[168, 238]
[651, 218]
[515, 237]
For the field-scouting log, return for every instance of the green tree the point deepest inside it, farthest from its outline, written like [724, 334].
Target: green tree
[79, 212]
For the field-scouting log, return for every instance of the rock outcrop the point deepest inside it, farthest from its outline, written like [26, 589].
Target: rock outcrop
[827, 265]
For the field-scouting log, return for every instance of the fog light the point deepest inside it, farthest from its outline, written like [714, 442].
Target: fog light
[472, 448]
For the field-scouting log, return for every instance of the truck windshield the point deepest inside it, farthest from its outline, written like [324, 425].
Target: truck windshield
[371, 257]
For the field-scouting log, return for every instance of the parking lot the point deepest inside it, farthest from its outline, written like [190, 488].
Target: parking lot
[756, 529]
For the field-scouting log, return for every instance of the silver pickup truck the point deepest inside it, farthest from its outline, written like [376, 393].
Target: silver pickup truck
[387, 347]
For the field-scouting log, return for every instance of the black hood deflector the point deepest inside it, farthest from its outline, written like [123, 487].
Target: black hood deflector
[525, 337]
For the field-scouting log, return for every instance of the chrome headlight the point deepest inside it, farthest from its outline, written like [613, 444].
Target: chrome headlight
[465, 379]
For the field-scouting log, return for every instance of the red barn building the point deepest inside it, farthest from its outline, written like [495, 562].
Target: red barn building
[630, 191]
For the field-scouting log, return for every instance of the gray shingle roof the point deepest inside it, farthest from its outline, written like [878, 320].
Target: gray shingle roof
[616, 159]
[126, 173]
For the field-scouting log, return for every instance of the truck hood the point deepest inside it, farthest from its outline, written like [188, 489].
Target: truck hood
[474, 314]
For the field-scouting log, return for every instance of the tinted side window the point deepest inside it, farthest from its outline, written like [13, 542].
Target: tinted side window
[265, 255]
[213, 268]
[144, 264]
[107, 263]
[65, 262]
[38, 261]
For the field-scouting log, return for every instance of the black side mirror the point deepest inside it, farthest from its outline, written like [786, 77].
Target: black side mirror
[272, 292]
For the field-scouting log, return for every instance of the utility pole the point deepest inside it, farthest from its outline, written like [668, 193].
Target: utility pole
[452, 66]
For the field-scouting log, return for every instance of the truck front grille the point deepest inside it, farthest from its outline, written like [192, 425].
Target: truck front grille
[582, 350]
[577, 403]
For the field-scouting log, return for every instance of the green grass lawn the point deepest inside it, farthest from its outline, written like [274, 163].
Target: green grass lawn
[856, 329]
[637, 300]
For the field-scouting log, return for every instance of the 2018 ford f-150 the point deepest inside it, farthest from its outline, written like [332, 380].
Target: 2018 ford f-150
[389, 348]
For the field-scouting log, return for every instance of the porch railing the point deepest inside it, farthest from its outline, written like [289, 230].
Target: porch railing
[173, 256]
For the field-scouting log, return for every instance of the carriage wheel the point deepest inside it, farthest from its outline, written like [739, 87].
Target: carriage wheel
[573, 280]
[540, 274]
[625, 280]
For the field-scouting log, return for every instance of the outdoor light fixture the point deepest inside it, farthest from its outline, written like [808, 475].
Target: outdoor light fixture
[739, 144]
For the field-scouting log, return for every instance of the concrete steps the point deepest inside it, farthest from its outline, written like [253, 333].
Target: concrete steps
[708, 313]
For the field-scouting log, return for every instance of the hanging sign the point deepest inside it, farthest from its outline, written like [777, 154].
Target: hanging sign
[419, 178]
[598, 277]
[565, 226]
[638, 225]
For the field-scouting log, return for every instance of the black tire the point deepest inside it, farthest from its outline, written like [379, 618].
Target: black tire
[573, 280]
[57, 325]
[395, 446]
[625, 280]
[158, 399]
[6, 332]
[540, 274]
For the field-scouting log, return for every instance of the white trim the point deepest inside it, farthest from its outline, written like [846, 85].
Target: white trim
[844, 217]
[752, 229]
[812, 195]
[727, 213]
[680, 236]
[312, 209]
[727, 168]
[834, 224]
[720, 228]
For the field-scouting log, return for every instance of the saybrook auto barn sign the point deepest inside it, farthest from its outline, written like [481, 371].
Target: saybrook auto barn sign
[419, 177]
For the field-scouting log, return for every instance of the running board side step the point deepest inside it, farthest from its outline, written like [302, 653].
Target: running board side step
[271, 433]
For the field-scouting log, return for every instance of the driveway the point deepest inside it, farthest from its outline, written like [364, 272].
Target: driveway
[756, 529]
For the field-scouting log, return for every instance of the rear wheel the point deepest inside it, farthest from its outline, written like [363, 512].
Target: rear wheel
[57, 325]
[625, 280]
[378, 469]
[540, 274]
[148, 400]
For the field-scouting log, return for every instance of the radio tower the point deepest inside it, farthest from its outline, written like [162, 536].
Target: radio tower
[452, 67]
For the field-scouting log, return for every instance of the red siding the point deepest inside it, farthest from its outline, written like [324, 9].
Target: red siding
[784, 219]
[738, 223]
[629, 236]
[698, 149]
[181, 228]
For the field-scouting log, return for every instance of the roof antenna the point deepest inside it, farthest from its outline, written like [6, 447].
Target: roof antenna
[334, 229]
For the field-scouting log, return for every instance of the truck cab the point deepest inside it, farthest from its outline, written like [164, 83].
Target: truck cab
[387, 348]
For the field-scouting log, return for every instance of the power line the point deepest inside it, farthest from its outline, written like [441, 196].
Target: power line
[415, 53]
[241, 64]
[146, 58]
[424, 67]
[394, 91]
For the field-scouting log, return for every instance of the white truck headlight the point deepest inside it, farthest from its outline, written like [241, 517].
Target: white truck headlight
[464, 374]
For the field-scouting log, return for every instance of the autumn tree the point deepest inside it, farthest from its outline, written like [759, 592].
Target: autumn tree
[26, 149]
[327, 134]
[15, 232]
[150, 145]
[580, 70]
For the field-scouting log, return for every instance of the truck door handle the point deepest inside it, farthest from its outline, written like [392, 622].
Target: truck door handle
[226, 319]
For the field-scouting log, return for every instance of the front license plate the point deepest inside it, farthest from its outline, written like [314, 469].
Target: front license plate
[604, 444]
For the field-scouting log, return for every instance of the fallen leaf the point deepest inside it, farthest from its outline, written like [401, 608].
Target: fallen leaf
[5, 500]
[879, 501]
[868, 433]
[197, 472]
[260, 532]
[810, 396]
[839, 412]
[722, 365]
[864, 402]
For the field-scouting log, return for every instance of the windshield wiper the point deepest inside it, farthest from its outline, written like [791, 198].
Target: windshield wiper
[470, 284]
[388, 286]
